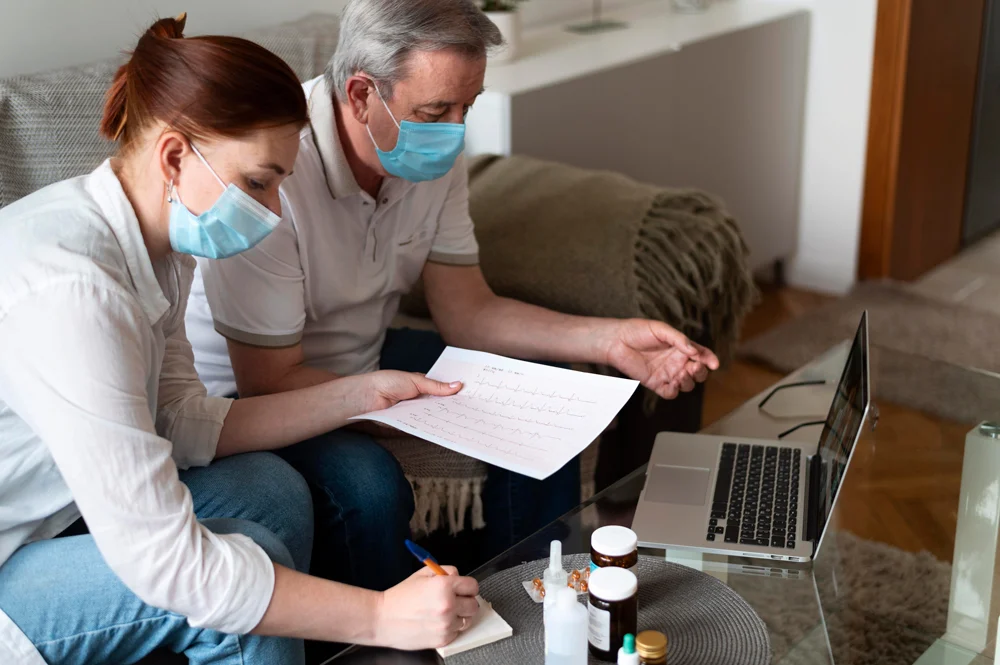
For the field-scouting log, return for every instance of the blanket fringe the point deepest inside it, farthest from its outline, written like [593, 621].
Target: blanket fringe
[478, 521]
[692, 268]
[437, 489]
[451, 496]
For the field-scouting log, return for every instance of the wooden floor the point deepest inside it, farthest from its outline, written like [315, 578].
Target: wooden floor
[732, 387]
[904, 491]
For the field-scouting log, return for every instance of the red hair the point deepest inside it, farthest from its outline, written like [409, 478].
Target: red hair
[200, 86]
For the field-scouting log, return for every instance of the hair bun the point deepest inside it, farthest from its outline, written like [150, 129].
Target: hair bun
[168, 28]
[209, 86]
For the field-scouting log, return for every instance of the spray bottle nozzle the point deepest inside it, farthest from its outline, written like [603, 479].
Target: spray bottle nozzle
[554, 575]
[555, 555]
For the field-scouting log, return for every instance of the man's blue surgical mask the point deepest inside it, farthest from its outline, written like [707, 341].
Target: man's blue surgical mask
[424, 150]
[234, 224]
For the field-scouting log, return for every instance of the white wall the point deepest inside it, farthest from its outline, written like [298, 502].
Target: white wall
[835, 142]
[36, 35]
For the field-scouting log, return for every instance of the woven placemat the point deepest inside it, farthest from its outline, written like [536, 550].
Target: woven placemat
[706, 622]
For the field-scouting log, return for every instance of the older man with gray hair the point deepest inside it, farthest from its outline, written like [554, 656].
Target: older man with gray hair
[379, 199]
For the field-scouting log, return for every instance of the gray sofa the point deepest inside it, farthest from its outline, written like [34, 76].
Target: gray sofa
[49, 132]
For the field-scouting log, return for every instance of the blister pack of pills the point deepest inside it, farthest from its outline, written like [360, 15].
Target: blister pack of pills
[578, 581]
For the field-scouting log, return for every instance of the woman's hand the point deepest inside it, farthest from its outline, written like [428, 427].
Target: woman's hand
[426, 611]
[386, 388]
[267, 422]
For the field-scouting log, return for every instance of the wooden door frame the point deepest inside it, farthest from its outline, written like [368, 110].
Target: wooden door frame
[892, 35]
[925, 82]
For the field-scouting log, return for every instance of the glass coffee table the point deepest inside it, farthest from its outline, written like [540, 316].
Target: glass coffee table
[908, 571]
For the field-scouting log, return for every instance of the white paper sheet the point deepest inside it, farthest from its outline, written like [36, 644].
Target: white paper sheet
[485, 628]
[524, 417]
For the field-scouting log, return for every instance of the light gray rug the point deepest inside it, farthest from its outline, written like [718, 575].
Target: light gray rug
[881, 605]
[921, 349]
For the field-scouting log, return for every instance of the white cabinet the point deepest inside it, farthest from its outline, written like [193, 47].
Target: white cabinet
[714, 101]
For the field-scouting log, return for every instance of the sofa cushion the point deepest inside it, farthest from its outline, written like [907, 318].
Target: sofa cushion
[49, 127]
[306, 45]
[49, 122]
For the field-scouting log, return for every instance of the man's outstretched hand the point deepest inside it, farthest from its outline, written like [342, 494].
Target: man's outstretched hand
[661, 358]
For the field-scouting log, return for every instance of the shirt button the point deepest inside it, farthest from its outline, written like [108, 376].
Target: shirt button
[364, 203]
[384, 201]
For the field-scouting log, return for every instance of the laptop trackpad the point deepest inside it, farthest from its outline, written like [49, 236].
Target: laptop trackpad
[678, 484]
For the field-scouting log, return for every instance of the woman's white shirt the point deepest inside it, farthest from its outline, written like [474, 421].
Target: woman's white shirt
[100, 405]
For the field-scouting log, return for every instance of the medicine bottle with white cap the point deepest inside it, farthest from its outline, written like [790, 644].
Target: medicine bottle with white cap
[614, 610]
[614, 546]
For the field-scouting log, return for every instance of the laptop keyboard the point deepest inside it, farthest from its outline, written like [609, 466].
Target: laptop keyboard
[756, 496]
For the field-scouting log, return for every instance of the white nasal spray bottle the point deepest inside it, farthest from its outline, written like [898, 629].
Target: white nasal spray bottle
[554, 578]
[566, 629]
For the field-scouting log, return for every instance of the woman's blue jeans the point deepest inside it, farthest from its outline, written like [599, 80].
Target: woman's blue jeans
[76, 611]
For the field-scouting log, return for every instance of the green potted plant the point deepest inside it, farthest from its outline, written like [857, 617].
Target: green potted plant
[505, 14]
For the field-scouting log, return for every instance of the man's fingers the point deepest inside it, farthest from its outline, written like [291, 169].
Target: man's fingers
[679, 340]
[674, 337]
[668, 391]
[674, 381]
[708, 358]
[699, 372]
[669, 370]
[451, 570]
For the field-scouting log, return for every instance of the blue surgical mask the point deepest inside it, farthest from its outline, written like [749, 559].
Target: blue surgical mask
[235, 222]
[424, 150]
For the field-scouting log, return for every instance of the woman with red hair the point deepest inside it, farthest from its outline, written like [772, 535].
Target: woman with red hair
[137, 513]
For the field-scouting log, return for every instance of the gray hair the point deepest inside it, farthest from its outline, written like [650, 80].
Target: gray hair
[377, 37]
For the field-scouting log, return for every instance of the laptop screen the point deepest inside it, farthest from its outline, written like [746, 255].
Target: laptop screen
[843, 425]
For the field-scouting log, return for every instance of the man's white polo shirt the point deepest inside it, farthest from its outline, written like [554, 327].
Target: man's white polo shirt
[332, 273]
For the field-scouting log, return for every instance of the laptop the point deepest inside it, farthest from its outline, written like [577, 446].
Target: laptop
[762, 499]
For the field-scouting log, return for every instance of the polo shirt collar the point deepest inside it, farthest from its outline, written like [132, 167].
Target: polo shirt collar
[323, 119]
[118, 212]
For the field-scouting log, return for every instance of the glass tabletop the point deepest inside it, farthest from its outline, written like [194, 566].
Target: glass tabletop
[906, 574]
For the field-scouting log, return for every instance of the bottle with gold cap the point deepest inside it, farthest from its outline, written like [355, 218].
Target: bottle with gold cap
[652, 647]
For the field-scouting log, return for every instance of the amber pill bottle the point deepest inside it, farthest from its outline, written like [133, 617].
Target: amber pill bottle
[614, 546]
[613, 605]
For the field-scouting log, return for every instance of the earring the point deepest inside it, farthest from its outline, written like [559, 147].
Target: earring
[170, 189]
